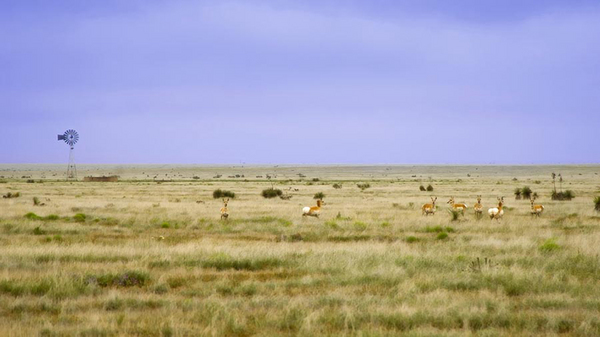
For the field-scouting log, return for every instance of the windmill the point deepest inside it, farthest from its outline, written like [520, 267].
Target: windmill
[70, 137]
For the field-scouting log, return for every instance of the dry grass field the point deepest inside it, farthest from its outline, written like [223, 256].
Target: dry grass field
[149, 255]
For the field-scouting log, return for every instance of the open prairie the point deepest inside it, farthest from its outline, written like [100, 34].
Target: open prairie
[149, 255]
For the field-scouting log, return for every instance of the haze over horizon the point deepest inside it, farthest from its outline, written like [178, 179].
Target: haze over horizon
[316, 82]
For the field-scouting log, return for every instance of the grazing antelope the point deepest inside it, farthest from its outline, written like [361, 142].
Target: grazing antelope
[429, 208]
[313, 211]
[224, 209]
[497, 212]
[536, 209]
[457, 207]
[478, 207]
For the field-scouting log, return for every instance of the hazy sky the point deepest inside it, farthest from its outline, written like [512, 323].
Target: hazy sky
[307, 82]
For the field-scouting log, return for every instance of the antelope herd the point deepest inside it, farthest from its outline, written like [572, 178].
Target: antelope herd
[429, 208]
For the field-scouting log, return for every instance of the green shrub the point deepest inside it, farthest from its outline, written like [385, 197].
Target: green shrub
[526, 192]
[271, 193]
[517, 193]
[38, 231]
[442, 236]
[566, 195]
[223, 194]
[597, 203]
[32, 216]
[79, 217]
[10, 195]
[429, 188]
[165, 224]
[363, 186]
[422, 188]
[454, 214]
[360, 226]
[51, 217]
[337, 186]
[411, 239]
[319, 196]
[549, 245]
[36, 201]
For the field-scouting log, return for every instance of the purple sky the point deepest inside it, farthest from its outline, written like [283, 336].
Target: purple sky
[321, 81]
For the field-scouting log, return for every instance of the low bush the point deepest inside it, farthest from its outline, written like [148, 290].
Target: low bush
[223, 194]
[363, 186]
[337, 186]
[597, 203]
[319, 196]
[422, 188]
[10, 195]
[271, 193]
[79, 217]
[549, 245]
[566, 195]
[429, 188]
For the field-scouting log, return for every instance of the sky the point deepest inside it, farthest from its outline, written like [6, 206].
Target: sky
[301, 82]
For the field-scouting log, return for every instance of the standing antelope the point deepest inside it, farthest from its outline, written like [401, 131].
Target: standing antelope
[536, 209]
[429, 208]
[457, 207]
[313, 211]
[497, 212]
[224, 209]
[478, 207]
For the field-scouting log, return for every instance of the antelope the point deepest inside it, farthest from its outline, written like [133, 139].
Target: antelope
[536, 209]
[478, 207]
[497, 212]
[313, 211]
[429, 208]
[457, 207]
[224, 209]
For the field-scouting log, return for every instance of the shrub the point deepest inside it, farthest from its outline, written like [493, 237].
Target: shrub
[223, 194]
[442, 236]
[32, 216]
[549, 245]
[36, 201]
[454, 214]
[38, 231]
[526, 192]
[517, 193]
[10, 195]
[422, 188]
[79, 217]
[315, 179]
[363, 186]
[165, 225]
[319, 195]
[337, 186]
[597, 203]
[52, 217]
[566, 195]
[411, 239]
[271, 193]
[429, 188]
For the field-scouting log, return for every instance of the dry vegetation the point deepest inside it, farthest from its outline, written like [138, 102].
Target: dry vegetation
[151, 258]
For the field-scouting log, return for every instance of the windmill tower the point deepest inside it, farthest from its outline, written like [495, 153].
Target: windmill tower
[70, 137]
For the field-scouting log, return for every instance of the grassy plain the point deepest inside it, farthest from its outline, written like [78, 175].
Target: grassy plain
[92, 261]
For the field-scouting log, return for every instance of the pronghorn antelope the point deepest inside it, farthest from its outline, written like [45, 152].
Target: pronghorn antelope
[313, 211]
[478, 207]
[536, 209]
[457, 207]
[429, 208]
[224, 209]
[497, 212]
